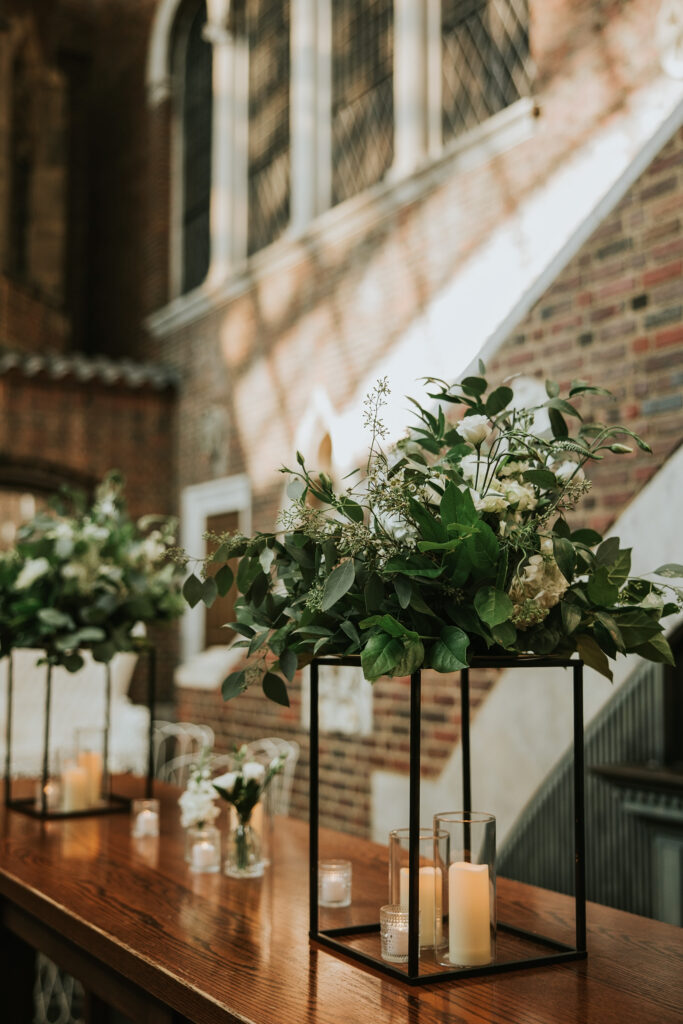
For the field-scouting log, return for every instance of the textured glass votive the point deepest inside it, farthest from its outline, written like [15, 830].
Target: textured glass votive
[469, 888]
[334, 883]
[432, 853]
[145, 818]
[204, 849]
[393, 924]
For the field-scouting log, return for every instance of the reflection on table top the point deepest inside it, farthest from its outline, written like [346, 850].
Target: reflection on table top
[218, 949]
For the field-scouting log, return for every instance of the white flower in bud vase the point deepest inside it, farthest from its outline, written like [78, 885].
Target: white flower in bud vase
[226, 781]
[253, 770]
[474, 429]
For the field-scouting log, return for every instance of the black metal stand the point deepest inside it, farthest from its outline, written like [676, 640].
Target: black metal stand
[110, 802]
[333, 938]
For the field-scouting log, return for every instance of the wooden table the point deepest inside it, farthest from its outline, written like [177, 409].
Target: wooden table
[164, 945]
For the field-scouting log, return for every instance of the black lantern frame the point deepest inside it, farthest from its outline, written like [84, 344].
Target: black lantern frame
[333, 938]
[111, 802]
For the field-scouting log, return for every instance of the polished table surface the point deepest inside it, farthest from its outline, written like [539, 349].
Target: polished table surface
[164, 944]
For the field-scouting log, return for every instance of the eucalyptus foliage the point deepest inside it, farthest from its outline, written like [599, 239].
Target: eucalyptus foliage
[455, 543]
[81, 576]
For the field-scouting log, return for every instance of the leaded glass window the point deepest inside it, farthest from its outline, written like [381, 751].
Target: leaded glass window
[362, 95]
[196, 120]
[485, 60]
[268, 27]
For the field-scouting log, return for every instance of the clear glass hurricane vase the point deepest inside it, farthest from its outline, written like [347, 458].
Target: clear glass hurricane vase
[244, 852]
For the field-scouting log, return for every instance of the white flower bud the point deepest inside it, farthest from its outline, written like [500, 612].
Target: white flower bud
[474, 429]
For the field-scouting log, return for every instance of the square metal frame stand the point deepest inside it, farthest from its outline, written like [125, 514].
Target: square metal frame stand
[333, 938]
[111, 802]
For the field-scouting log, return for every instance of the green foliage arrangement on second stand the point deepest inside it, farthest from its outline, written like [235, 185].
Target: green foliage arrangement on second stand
[453, 544]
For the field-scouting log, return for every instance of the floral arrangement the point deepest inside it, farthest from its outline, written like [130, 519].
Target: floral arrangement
[458, 542]
[197, 801]
[244, 786]
[82, 576]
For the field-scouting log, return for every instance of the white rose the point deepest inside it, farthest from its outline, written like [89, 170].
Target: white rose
[474, 429]
[471, 467]
[489, 502]
[226, 781]
[32, 571]
[519, 495]
[253, 770]
[513, 469]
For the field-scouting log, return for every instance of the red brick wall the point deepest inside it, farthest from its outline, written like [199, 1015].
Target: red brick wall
[615, 317]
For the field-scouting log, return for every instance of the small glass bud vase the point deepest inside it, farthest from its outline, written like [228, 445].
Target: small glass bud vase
[243, 855]
[203, 849]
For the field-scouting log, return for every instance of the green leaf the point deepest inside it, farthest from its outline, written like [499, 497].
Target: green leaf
[192, 590]
[72, 662]
[564, 407]
[557, 424]
[209, 591]
[498, 400]
[338, 583]
[449, 653]
[242, 628]
[571, 617]
[450, 503]
[672, 570]
[473, 385]
[593, 655]
[430, 528]
[404, 589]
[351, 509]
[588, 537]
[275, 689]
[104, 652]
[610, 625]
[266, 559]
[351, 631]
[288, 664]
[657, 649]
[373, 593]
[620, 568]
[247, 571]
[563, 551]
[234, 684]
[224, 578]
[90, 635]
[504, 634]
[637, 626]
[540, 477]
[552, 388]
[607, 552]
[561, 528]
[380, 655]
[411, 658]
[600, 590]
[492, 606]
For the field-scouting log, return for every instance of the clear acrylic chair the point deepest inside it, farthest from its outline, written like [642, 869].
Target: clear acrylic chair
[174, 740]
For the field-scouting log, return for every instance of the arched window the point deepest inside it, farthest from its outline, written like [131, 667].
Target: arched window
[194, 104]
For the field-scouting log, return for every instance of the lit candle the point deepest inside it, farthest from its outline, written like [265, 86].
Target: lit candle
[91, 762]
[430, 902]
[469, 912]
[53, 796]
[74, 789]
[147, 823]
[203, 854]
[397, 938]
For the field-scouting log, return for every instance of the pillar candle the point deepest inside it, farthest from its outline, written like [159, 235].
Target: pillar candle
[74, 789]
[430, 903]
[91, 762]
[469, 925]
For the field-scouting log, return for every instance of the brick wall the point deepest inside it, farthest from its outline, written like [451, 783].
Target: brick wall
[614, 316]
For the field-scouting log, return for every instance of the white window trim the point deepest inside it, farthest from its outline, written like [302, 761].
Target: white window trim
[358, 214]
[197, 503]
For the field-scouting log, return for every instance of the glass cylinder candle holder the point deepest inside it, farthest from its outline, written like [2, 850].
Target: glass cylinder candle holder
[90, 757]
[432, 855]
[393, 926]
[204, 849]
[145, 818]
[469, 888]
[334, 883]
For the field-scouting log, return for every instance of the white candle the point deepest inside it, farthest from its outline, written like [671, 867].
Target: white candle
[430, 902]
[333, 887]
[52, 796]
[91, 762]
[203, 854]
[74, 789]
[147, 823]
[397, 940]
[469, 913]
